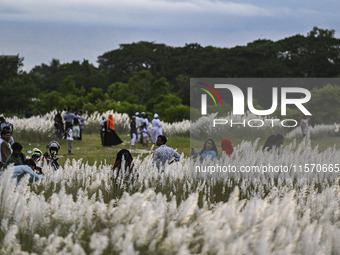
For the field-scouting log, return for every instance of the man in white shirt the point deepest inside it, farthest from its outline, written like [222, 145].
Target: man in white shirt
[156, 128]
[69, 138]
[164, 154]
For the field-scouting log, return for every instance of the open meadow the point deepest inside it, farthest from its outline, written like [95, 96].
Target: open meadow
[78, 209]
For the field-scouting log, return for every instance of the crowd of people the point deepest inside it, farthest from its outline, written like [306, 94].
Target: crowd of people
[11, 152]
[72, 129]
[139, 130]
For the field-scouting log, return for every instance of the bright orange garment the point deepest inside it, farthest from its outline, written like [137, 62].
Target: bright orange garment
[110, 122]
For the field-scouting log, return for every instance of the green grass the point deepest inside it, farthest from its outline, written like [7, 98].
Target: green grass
[90, 149]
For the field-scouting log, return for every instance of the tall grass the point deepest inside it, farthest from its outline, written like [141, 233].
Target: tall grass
[79, 210]
[38, 129]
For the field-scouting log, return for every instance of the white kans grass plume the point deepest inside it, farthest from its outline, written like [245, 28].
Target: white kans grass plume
[80, 210]
[44, 126]
[319, 130]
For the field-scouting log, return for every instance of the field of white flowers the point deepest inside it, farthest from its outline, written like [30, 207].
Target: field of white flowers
[44, 125]
[79, 210]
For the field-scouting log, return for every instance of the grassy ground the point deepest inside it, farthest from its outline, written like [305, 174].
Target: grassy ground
[91, 150]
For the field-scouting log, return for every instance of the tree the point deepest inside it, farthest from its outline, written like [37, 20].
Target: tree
[140, 84]
[325, 104]
[167, 102]
[120, 91]
[316, 55]
[95, 95]
[19, 94]
[68, 87]
[48, 77]
[177, 113]
[156, 91]
[48, 102]
[10, 67]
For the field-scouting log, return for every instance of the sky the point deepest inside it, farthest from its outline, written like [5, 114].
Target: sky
[68, 30]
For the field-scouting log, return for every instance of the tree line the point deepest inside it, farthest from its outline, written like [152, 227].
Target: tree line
[154, 77]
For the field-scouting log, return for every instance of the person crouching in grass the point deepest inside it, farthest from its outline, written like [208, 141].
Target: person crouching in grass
[29, 167]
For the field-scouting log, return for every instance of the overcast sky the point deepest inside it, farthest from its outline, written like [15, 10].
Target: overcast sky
[40, 30]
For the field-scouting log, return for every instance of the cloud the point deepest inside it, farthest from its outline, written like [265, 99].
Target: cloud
[40, 30]
[123, 12]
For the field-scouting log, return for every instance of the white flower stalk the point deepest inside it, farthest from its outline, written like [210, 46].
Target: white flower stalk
[79, 209]
[317, 131]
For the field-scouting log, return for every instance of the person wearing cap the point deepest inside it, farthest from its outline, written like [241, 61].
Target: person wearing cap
[17, 157]
[164, 154]
[29, 167]
[137, 119]
[137, 125]
[156, 128]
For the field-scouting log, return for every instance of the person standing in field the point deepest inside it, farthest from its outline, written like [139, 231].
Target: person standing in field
[145, 134]
[164, 154]
[156, 128]
[6, 149]
[110, 136]
[81, 124]
[137, 125]
[59, 125]
[304, 125]
[69, 138]
[103, 128]
[68, 117]
[76, 128]
[140, 125]
[133, 131]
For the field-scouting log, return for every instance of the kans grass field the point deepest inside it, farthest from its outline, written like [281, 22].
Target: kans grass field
[79, 210]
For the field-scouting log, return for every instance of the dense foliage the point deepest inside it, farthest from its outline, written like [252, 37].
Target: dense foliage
[151, 77]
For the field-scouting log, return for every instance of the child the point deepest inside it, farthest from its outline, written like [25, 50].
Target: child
[145, 134]
[69, 138]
